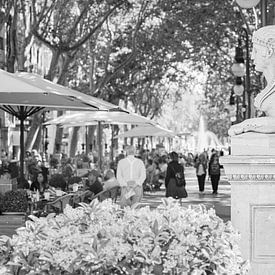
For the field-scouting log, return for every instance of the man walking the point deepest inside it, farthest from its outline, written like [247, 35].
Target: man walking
[131, 174]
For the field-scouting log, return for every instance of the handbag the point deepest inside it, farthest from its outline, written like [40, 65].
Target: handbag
[179, 177]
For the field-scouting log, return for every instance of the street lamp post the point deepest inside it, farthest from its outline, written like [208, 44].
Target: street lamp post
[241, 70]
[263, 12]
[247, 72]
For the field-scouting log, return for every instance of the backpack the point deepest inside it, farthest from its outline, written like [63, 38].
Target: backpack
[179, 177]
[214, 169]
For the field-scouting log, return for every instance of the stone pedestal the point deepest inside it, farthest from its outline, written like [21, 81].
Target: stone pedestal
[252, 179]
[251, 144]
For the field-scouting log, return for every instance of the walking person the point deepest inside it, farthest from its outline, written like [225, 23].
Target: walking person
[131, 174]
[173, 186]
[214, 172]
[200, 163]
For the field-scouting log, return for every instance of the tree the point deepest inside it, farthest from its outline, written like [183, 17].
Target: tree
[134, 50]
[64, 27]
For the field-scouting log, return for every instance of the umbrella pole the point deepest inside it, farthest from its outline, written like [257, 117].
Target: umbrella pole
[112, 142]
[22, 146]
[99, 146]
[86, 139]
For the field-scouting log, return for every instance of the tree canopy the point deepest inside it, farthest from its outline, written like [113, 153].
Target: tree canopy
[144, 53]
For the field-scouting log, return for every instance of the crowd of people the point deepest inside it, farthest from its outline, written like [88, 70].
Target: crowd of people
[135, 171]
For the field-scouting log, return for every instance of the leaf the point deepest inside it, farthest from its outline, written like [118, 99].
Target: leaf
[46, 255]
[50, 216]
[30, 225]
[155, 228]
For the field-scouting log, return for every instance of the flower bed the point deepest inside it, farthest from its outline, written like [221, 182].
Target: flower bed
[102, 238]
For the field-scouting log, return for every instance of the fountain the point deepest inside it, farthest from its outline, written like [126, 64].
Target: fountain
[206, 139]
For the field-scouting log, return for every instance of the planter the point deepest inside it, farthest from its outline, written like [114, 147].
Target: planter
[10, 221]
[14, 213]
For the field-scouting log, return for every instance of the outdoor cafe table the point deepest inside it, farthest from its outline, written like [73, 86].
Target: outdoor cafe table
[43, 205]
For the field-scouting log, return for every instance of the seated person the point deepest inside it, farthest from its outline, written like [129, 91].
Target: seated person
[68, 170]
[58, 181]
[111, 180]
[92, 183]
[39, 183]
[150, 171]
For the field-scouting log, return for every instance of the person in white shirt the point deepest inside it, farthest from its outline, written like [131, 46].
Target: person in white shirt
[131, 174]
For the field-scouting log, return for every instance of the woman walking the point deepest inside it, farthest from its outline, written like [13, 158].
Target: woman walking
[174, 187]
[214, 172]
[201, 168]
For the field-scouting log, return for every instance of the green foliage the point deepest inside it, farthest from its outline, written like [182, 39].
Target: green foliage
[123, 50]
[102, 238]
[201, 34]
[15, 201]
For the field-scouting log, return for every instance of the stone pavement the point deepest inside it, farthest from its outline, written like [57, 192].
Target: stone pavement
[221, 202]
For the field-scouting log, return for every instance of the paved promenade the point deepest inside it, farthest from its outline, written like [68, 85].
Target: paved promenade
[220, 202]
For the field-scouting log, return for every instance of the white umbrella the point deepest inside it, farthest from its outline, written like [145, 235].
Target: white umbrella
[147, 131]
[45, 86]
[31, 90]
[92, 118]
[23, 94]
[99, 117]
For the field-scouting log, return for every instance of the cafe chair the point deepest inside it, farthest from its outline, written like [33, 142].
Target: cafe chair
[81, 197]
[112, 193]
[59, 204]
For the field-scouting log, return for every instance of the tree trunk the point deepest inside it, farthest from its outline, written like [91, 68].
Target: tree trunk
[115, 144]
[38, 140]
[54, 61]
[65, 66]
[61, 81]
[36, 122]
[142, 143]
[58, 135]
[132, 139]
[125, 139]
[50, 76]
[11, 40]
[21, 58]
[34, 135]
[74, 140]
[92, 67]
[91, 138]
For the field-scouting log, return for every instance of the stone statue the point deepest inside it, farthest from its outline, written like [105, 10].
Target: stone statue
[263, 54]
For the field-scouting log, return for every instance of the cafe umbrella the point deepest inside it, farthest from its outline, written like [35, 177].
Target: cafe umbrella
[105, 117]
[144, 131]
[75, 119]
[24, 94]
[147, 131]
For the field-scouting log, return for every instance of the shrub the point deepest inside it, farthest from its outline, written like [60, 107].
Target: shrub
[102, 238]
[15, 201]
